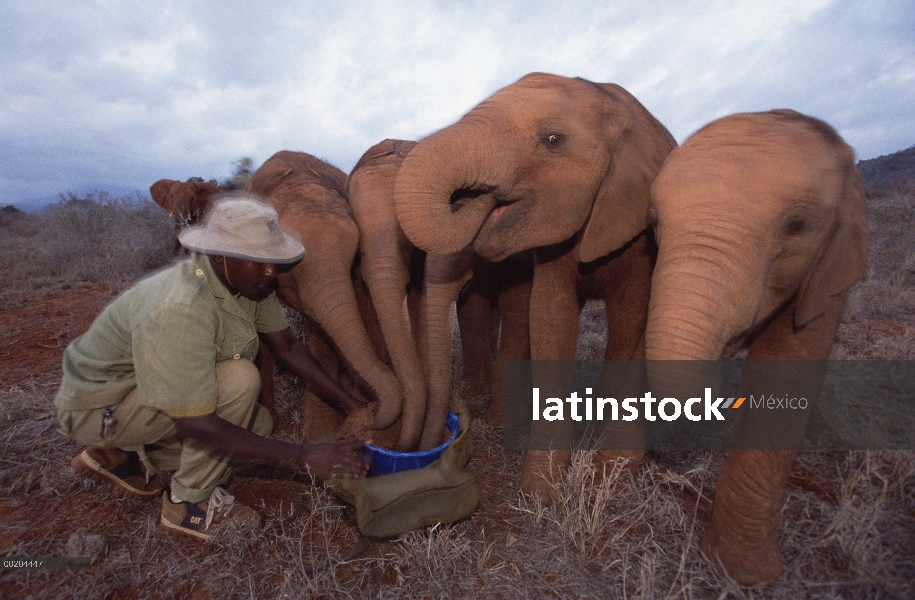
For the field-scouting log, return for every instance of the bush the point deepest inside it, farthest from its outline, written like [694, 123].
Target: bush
[90, 239]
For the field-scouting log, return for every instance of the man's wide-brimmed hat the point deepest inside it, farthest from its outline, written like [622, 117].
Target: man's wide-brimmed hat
[243, 227]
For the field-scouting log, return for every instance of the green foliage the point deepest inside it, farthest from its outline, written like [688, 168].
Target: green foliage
[200, 180]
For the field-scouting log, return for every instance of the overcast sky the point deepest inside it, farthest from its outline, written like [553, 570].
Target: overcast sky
[123, 92]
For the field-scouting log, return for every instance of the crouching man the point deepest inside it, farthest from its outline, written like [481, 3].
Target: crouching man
[164, 379]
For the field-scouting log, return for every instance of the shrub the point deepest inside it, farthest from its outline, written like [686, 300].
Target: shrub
[89, 239]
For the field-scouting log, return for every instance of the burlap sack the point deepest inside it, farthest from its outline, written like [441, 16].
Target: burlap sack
[388, 505]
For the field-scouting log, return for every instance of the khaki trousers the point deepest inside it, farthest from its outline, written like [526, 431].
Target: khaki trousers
[152, 434]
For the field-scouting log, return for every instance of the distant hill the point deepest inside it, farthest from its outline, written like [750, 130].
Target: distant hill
[114, 191]
[884, 172]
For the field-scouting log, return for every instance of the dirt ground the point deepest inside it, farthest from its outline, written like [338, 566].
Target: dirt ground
[47, 505]
[33, 336]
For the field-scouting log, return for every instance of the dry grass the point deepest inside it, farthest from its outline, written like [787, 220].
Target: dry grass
[880, 313]
[848, 521]
[79, 241]
[621, 538]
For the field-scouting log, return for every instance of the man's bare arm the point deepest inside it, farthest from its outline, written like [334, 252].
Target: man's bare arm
[343, 459]
[298, 359]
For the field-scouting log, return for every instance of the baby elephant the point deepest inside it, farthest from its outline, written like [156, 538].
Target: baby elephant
[761, 229]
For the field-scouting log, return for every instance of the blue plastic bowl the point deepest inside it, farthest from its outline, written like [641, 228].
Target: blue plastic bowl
[385, 462]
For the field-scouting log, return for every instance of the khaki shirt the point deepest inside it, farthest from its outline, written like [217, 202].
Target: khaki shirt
[165, 335]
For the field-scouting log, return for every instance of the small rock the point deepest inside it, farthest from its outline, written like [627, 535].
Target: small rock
[83, 543]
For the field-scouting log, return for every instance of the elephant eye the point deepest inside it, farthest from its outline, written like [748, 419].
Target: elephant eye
[552, 140]
[795, 227]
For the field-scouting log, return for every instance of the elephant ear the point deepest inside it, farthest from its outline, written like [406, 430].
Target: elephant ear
[181, 199]
[159, 191]
[200, 199]
[638, 145]
[844, 259]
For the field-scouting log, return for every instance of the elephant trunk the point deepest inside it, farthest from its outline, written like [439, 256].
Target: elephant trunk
[706, 288]
[441, 288]
[444, 188]
[699, 305]
[335, 309]
[438, 310]
[387, 276]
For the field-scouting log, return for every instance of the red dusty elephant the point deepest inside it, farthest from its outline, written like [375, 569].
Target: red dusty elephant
[488, 296]
[560, 166]
[186, 202]
[309, 196]
[761, 230]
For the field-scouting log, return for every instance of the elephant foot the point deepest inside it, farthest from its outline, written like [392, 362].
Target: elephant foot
[604, 461]
[542, 469]
[749, 562]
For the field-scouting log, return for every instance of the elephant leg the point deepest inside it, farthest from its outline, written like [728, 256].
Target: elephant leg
[748, 500]
[541, 470]
[627, 289]
[555, 309]
[621, 440]
[514, 335]
[626, 308]
[474, 310]
[748, 497]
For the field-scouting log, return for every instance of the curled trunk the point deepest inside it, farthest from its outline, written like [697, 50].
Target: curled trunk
[387, 279]
[444, 189]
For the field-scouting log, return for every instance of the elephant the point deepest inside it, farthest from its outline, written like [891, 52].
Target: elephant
[186, 202]
[561, 167]
[309, 196]
[395, 270]
[392, 270]
[761, 228]
[493, 310]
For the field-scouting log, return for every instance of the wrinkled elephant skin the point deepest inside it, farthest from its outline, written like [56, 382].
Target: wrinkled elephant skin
[562, 167]
[761, 231]
[392, 270]
[418, 343]
[308, 194]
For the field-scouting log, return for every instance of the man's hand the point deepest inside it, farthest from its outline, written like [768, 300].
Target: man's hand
[348, 460]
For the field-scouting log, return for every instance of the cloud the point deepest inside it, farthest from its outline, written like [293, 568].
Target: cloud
[128, 92]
